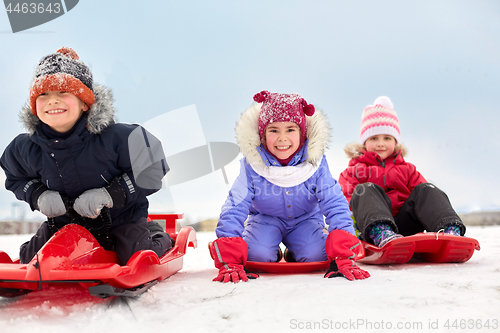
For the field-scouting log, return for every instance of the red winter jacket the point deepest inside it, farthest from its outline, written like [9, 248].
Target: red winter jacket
[397, 177]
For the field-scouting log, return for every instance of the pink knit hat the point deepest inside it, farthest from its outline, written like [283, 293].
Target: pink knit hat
[283, 108]
[380, 118]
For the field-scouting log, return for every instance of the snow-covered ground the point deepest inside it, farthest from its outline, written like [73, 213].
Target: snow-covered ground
[417, 297]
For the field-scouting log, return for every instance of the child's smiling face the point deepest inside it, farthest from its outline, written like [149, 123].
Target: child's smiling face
[381, 144]
[60, 110]
[282, 139]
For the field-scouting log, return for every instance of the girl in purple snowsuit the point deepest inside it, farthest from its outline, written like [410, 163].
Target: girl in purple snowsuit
[284, 192]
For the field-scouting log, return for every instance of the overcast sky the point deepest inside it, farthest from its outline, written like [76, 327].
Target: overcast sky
[439, 62]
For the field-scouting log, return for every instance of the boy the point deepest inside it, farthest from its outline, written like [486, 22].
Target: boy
[76, 160]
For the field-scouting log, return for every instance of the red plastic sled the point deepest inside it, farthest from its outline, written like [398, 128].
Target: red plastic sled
[73, 256]
[283, 267]
[431, 247]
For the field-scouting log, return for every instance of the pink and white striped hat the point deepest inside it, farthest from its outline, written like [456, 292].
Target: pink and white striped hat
[380, 118]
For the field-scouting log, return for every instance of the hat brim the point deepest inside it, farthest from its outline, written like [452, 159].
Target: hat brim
[60, 82]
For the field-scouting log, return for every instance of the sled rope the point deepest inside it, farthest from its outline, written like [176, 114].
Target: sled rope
[37, 266]
[437, 233]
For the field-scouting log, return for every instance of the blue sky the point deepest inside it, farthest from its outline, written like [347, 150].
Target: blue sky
[439, 62]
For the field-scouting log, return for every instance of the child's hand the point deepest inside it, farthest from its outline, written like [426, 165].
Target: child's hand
[234, 273]
[90, 202]
[50, 204]
[230, 255]
[346, 268]
[342, 248]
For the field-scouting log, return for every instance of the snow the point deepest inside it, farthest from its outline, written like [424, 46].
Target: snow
[416, 297]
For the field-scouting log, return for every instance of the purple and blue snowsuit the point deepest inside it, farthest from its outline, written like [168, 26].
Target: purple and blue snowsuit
[288, 204]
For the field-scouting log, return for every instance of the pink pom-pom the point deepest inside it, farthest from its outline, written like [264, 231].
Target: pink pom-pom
[309, 109]
[68, 52]
[261, 97]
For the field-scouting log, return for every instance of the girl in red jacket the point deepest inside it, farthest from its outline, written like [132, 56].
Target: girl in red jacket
[388, 197]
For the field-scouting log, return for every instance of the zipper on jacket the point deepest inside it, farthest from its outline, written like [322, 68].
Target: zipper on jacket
[382, 163]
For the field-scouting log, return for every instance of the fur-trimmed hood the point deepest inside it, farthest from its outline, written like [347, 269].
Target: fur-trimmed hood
[247, 135]
[355, 150]
[100, 115]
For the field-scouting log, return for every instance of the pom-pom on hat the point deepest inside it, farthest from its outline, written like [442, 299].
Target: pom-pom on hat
[380, 118]
[283, 108]
[62, 71]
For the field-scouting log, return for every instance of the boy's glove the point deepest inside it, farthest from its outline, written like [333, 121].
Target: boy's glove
[50, 204]
[341, 249]
[230, 257]
[90, 202]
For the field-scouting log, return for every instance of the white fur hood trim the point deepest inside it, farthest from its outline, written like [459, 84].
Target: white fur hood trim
[100, 115]
[354, 150]
[247, 136]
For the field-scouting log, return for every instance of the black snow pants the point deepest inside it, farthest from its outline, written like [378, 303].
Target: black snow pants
[427, 208]
[126, 240]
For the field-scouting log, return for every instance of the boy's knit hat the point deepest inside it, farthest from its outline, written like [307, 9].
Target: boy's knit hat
[283, 108]
[62, 71]
[380, 118]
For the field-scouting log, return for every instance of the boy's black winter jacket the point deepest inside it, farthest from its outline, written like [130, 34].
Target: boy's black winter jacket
[96, 154]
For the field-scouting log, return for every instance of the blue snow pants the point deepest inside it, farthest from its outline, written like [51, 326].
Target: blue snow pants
[305, 238]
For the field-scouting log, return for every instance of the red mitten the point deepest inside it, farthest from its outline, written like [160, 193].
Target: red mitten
[341, 249]
[230, 257]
